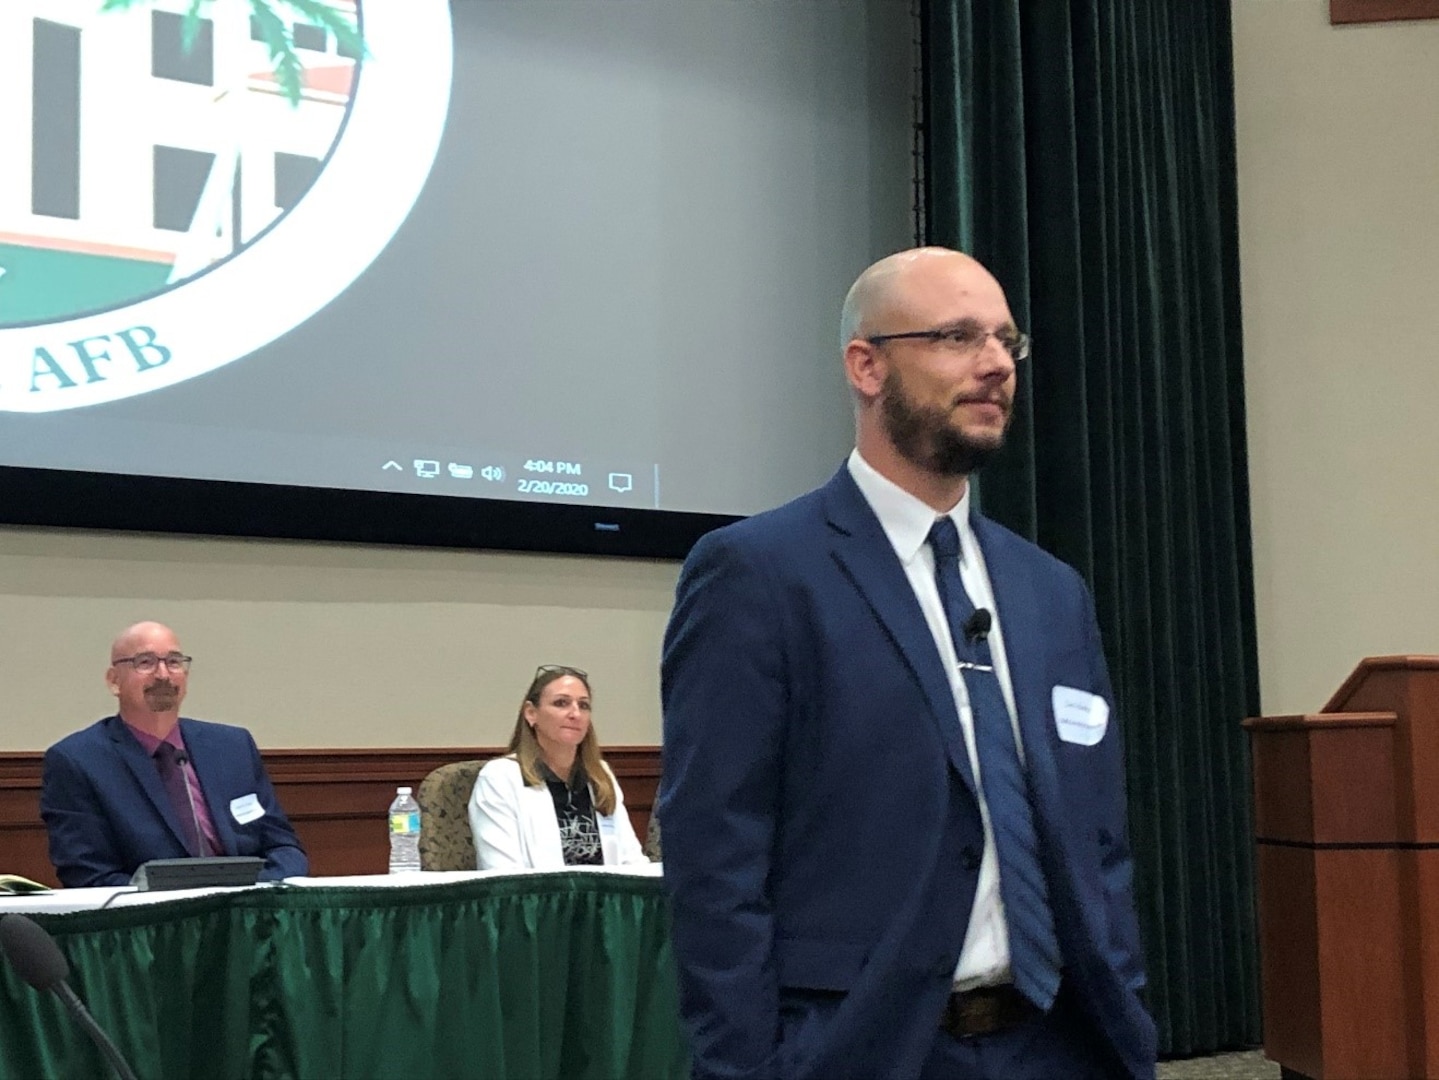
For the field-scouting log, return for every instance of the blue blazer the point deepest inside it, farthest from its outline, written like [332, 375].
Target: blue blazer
[822, 837]
[106, 810]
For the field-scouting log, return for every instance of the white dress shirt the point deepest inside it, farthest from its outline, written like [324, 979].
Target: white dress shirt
[906, 521]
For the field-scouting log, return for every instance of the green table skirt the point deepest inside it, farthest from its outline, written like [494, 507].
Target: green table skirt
[564, 975]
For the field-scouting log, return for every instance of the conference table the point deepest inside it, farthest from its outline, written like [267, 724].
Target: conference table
[473, 974]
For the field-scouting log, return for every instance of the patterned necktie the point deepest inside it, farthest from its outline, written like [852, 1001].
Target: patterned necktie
[1033, 945]
[172, 774]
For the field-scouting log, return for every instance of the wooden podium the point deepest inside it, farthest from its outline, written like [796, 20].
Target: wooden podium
[1346, 822]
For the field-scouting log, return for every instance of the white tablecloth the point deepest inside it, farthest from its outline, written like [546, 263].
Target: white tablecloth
[444, 877]
[66, 900]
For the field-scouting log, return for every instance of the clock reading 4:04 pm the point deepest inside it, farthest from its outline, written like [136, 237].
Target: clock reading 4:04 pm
[561, 468]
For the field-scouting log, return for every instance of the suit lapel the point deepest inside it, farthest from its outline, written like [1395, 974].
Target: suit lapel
[142, 768]
[207, 759]
[867, 558]
[1022, 620]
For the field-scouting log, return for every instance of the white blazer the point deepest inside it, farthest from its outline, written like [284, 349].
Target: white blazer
[516, 828]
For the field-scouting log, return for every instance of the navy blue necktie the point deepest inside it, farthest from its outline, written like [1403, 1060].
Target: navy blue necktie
[1033, 945]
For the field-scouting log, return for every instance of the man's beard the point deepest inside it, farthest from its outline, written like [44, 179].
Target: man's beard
[925, 436]
[162, 696]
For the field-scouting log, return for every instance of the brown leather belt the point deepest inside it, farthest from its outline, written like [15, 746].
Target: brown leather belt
[984, 1011]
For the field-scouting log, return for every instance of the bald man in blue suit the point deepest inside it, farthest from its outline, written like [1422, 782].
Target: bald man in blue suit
[148, 784]
[893, 800]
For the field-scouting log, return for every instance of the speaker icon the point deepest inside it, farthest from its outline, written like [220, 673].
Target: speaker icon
[493, 473]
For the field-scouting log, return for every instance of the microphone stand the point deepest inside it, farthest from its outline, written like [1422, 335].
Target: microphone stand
[97, 1035]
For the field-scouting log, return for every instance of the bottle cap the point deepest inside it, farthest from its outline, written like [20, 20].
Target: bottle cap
[403, 791]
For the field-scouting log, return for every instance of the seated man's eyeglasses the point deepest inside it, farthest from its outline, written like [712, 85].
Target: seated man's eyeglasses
[964, 337]
[145, 662]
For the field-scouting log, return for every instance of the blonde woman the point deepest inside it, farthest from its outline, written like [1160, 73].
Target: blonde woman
[552, 802]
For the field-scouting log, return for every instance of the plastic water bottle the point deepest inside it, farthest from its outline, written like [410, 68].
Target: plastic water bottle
[404, 832]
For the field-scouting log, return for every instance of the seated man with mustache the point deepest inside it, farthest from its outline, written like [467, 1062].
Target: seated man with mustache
[148, 784]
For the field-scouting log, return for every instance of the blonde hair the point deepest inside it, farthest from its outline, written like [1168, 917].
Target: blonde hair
[526, 746]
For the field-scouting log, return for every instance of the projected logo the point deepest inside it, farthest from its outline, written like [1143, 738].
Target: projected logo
[184, 181]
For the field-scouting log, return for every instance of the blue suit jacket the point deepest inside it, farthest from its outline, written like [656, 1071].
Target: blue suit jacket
[821, 832]
[106, 810]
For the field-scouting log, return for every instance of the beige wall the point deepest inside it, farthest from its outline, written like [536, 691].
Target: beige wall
[324, 645]
[1338, 138]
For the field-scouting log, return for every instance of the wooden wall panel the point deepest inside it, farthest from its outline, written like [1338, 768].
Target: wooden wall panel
[336, 800]
[1367, 11]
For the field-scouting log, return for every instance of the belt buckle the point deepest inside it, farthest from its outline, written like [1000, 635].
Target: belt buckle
[977, 1014]
[983, 1011]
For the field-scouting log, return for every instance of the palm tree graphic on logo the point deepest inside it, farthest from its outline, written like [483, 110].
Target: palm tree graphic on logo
[165, 136]
[277, 35]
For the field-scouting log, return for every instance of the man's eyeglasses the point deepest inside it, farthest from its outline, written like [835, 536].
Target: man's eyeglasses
[964, 338]
[147, 663]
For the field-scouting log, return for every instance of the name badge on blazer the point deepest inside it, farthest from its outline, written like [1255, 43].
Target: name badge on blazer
[246, 809]
[1081, 717]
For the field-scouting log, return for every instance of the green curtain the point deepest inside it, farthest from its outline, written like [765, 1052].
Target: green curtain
[566, 975]
[1084, 151]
